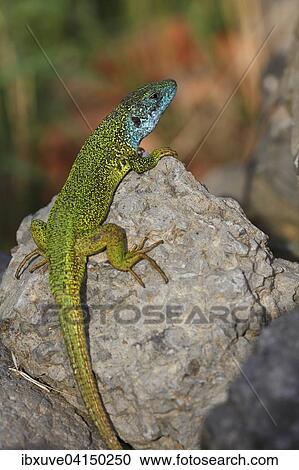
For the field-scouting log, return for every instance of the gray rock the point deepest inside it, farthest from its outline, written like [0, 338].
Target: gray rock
[163, 355]
[266, 414]
[33, 419]
[4, 261]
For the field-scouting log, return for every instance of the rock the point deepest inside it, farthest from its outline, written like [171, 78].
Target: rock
[266, 414]
[163, 355]
[33, 419]
[4, 261]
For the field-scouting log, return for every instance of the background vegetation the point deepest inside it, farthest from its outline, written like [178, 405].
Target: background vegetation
[101, 49]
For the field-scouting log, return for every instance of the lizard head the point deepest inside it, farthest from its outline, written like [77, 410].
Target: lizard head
[144, 107]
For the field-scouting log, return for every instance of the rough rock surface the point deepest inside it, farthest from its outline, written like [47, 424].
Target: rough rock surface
[33, 419]
[163, 355]
[4, 261]
[270, 421]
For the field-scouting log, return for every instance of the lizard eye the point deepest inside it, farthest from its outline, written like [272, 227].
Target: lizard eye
[154, 96]
[136, 121]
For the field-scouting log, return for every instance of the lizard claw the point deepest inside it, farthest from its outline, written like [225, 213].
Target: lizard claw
[138, 278]
[139, 252]
[155, 266]
[37, 265]
[26, 260]
[139, 247]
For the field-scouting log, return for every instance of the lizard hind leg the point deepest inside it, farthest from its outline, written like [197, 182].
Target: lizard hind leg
[113, 238]
[38, 231]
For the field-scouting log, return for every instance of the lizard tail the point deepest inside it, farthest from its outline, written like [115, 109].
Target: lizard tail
[66, 276]
[72, 325]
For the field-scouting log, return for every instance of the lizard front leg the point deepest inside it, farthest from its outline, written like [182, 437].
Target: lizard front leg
[113, 238]
[142, 161]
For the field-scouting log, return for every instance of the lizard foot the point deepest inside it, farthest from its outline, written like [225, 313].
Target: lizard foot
[38, 265]
[27, 259]
[139, 253]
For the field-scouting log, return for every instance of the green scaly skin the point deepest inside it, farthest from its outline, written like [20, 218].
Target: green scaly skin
[75, 228]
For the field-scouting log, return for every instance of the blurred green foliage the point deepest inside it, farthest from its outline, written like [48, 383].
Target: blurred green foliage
[74, 34]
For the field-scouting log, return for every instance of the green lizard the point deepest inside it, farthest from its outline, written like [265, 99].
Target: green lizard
[75, 228]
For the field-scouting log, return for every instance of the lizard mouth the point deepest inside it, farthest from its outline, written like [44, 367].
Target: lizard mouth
[156, 107]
